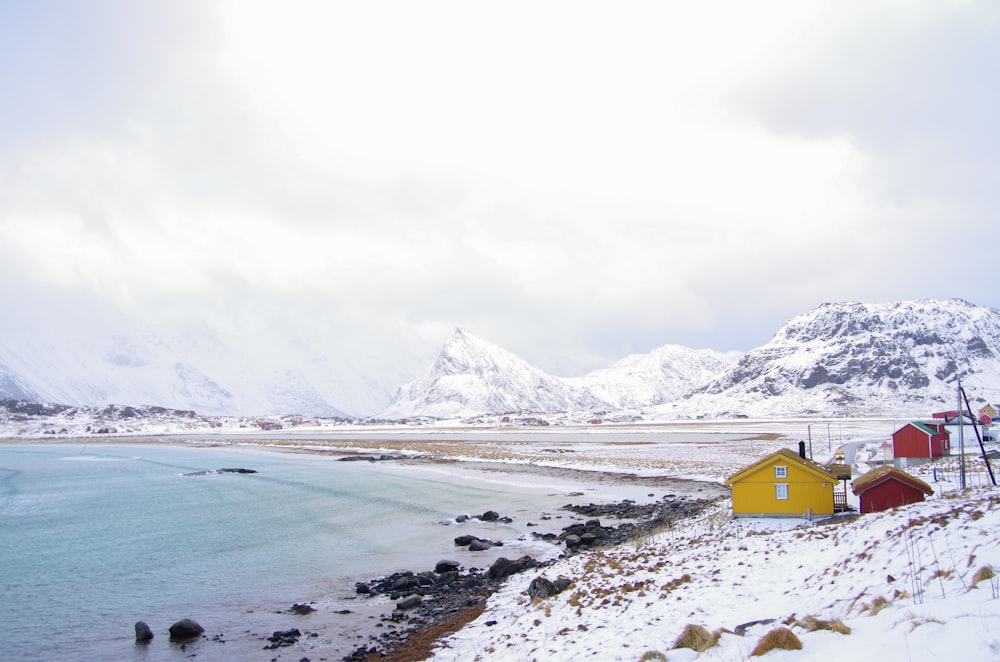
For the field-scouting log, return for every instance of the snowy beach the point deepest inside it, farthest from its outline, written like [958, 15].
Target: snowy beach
[632, 601]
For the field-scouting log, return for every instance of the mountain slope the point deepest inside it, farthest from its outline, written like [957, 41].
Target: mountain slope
[663, 375]
[855, 358]
[473, 376]
[194, 370]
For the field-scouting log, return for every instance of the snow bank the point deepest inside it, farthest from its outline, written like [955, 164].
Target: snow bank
[904, 583]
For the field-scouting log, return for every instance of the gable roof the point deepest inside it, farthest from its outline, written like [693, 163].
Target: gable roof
[929, 430]
[884, 474]
[784, 454]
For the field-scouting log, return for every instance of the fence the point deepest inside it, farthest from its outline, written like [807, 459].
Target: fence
[950, 478]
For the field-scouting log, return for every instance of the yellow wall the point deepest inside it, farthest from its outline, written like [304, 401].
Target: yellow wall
[754, 494]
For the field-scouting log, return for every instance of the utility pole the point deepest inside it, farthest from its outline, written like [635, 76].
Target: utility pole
[961, 438]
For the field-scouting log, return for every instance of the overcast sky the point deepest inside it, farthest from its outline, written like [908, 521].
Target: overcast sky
[574, 181]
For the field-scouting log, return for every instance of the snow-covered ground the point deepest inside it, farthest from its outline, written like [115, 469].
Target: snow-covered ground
[909, 584]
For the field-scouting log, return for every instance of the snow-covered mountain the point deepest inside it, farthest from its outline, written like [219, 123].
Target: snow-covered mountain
[473, 376]
[663, 375]
[899, 359]
[200, 369]
[855, 358]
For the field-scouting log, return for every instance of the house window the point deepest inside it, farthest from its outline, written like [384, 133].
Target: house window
[781, 471]
[781, 491]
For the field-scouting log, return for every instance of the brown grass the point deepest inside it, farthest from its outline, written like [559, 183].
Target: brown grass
[877, 604]
[812, 624]
[984, 573]
[782, 638]
[418, 646]
[697, 638]
[653, 656]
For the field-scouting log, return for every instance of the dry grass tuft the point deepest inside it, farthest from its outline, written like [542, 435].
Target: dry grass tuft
[697, 638]
[812, 624]
[653, 656]
[877, 604]
[781, 638]
[984, 573]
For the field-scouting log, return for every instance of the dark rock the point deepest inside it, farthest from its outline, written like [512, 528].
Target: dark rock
[409, 602]
[462, 518]
[302, 609]
[362, 587]
[405, 583]
[446, 566]
[540, 587]
[368, 458]
[504, 567]
[143, 633]
[476, 544]
[561, 584]
[282, 638]
[742, 628]
[647, 517]
[490, 516]
[185, 629]
[447, 577]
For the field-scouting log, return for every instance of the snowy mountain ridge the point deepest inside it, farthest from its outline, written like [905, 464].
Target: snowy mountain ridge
[838, 359]
[857, 359]
[474, 376]
[660, 376]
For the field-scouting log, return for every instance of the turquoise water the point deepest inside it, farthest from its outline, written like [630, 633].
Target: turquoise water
[96, 537]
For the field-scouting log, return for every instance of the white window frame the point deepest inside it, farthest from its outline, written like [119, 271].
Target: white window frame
[781, 471]
[781, 491]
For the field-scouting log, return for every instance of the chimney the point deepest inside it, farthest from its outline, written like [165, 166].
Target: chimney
[802, 449]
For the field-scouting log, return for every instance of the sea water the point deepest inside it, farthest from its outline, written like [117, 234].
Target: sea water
[94, 537]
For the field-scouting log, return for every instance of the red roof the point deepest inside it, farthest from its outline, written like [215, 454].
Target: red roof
[881, 475]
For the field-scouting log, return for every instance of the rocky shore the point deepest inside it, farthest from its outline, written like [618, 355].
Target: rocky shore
[427, 600]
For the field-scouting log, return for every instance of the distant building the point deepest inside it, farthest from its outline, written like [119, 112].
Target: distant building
[987, 414]
[887, 487]
[920, 441]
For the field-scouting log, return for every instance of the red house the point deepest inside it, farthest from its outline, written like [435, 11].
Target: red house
[921, 440]
[887, 487]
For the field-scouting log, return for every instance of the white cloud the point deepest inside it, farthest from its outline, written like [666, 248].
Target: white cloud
[571, 180]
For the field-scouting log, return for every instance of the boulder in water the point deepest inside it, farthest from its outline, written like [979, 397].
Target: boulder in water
[185, 629]
[143, 634]
[446, 566]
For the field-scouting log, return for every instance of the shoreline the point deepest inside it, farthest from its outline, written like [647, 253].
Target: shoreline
[346, 621]
[413, 633]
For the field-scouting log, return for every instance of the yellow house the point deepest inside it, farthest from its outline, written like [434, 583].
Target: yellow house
[988, 410]
[784, 485]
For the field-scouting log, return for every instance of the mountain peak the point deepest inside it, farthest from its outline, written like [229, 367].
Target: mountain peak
[474, 376]
[865, 358]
